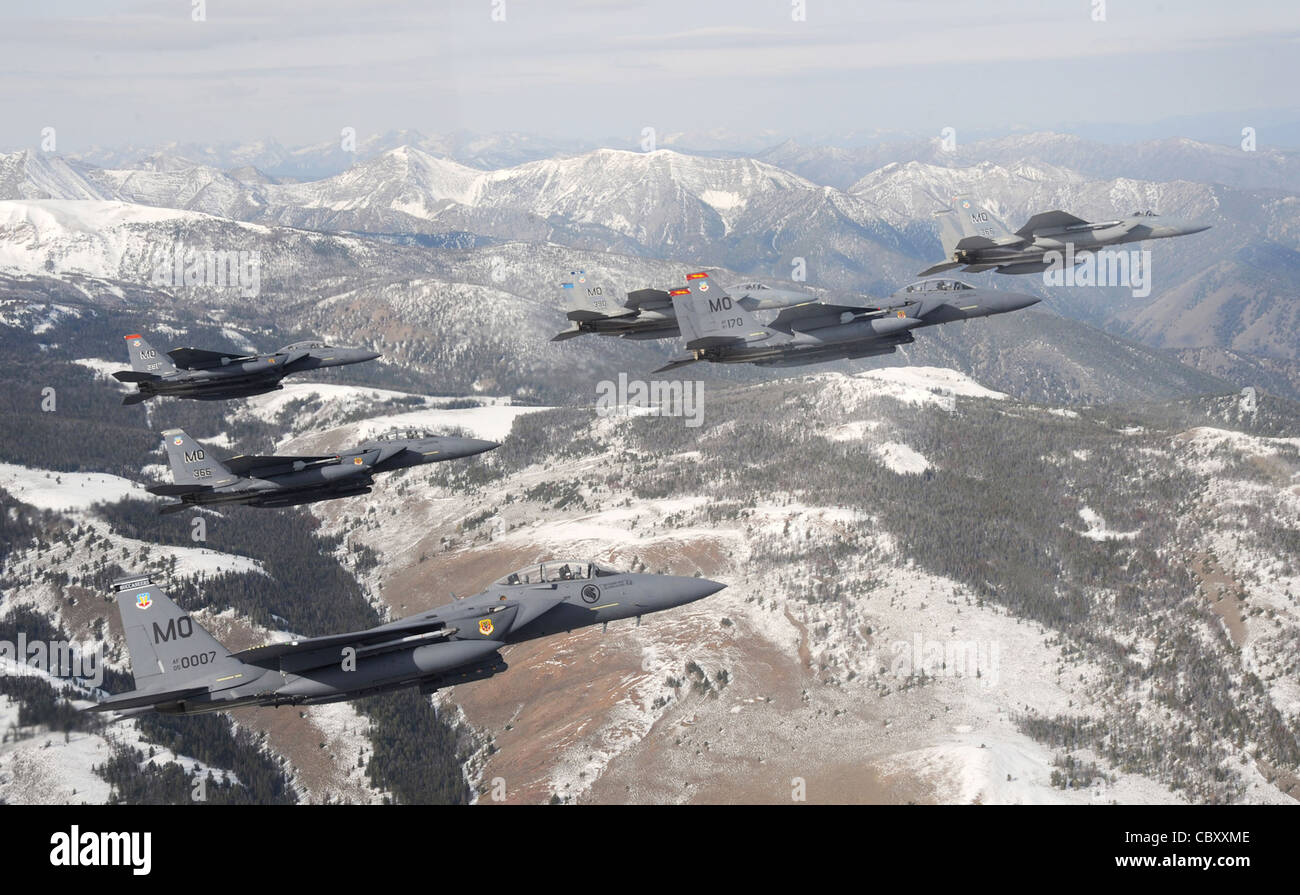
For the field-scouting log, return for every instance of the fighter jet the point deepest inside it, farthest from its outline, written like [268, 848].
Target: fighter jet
[200, 480]
[976, 241]
[648, 313]
[716, 329]
[180, 668]
[216, 375]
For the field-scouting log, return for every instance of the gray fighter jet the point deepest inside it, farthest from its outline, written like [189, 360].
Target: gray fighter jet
[648, 313]
[716, 329]
[216, 375]
[180, 668]
[271, 481]
[976, 241]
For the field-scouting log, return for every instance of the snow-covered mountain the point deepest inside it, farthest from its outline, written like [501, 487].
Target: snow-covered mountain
[1174, 158]
[1036, 481]
[871, 641]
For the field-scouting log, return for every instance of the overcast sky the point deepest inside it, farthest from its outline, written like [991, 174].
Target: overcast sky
[113, 72]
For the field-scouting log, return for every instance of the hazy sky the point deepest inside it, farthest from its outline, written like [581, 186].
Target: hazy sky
[112, 72]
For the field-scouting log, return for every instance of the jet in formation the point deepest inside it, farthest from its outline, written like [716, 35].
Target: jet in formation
[649, 313]
[273, 481]
[179, 668]
[976, 241]
[217, 375]
[718, 330]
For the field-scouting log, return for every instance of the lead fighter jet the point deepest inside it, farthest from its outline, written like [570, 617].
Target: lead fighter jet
[272, 481]
[976, 241]
[179, 668]
[649, 313]
[716, 329]
[216, 375]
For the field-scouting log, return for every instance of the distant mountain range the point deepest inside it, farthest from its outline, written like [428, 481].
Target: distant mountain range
[856, 221]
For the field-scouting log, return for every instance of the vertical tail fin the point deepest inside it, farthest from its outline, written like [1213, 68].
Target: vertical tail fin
[969, 219]
[168, 649]
[708, 316]
[145, 358]
[587, 299]
[190, 462]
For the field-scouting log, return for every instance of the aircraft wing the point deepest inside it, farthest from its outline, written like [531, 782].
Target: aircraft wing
[639, 297]
[245, 464]
[195, 358]
[306, 653]
[815, 314]
[939, 268]
[1048, 220]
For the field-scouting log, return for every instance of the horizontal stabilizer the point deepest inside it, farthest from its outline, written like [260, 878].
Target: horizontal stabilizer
[582, 315]
[197, 358]
[571, 333]
[675, 363]
[177, 490]
[1048, 220]
[137, 698]
[134, 376]
[715, 341]
[168, 508]
[967, 243]
[641, 297]
[136, 398]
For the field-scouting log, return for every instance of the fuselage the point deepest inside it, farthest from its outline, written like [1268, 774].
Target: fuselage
[219, 377]
[1077, 237]
[279, 481]
[453, 643]
[923, 304]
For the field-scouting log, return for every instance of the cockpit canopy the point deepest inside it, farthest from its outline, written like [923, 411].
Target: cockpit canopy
[938, 286]
[306, 345]
[750, 287]
[557, 570]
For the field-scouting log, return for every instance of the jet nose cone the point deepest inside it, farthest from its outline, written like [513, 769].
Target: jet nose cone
[691, 589]
[1021, 300]
[1179, 228]
[468, 447]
